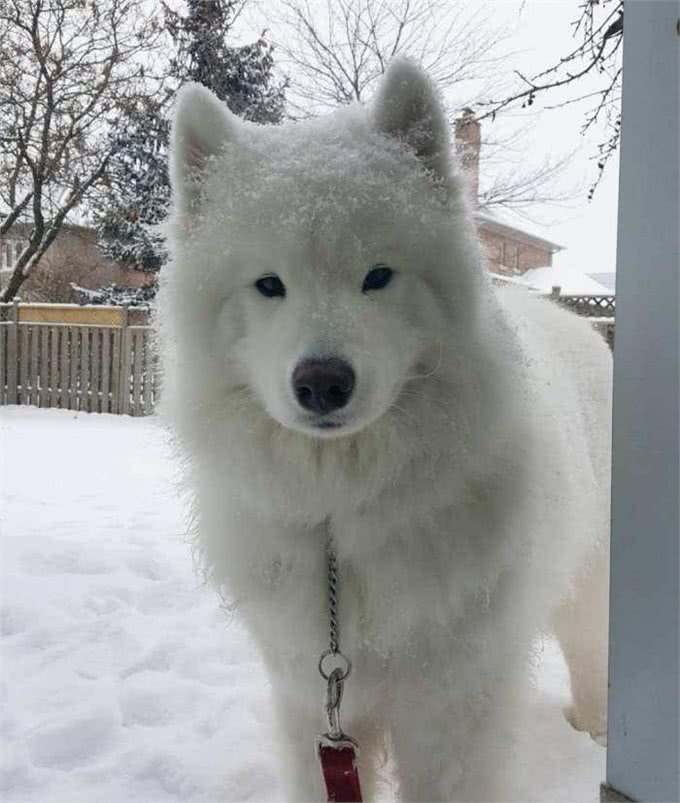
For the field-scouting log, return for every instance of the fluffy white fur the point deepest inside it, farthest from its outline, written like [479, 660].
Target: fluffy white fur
[466, 486]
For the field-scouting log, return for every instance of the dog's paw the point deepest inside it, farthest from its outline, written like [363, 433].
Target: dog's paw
[600, 738]
[593, 723]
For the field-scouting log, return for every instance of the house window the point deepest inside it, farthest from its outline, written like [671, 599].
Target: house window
[497, 254]
[9, 253]
[510, 255]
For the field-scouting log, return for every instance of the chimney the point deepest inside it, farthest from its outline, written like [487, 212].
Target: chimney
[468, 143]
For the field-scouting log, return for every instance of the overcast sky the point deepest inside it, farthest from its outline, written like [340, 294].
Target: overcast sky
[536, 33]
[587, 229]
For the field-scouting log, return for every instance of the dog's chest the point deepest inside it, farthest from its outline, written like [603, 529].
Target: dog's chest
[406, 574]
[388, 598]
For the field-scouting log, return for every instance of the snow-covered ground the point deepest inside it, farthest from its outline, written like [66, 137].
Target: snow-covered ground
[123, 681]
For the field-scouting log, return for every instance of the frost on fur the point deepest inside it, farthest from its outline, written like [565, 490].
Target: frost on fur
[407, 107]
[465, 480]
[202, 126]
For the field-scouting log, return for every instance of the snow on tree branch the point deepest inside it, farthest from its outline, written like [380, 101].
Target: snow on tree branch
[137, 196]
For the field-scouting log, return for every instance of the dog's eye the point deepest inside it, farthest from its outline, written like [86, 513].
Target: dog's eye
[378, 277]
[271, 286]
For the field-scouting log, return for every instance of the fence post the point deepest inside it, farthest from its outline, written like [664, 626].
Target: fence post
[13, 354]
[124, 381]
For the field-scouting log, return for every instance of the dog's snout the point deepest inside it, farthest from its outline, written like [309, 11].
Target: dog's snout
[323, 384]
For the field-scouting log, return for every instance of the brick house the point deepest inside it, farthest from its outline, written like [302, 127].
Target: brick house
[73, 257]
[510, 250]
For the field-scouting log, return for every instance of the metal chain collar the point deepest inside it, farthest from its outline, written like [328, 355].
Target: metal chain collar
[333, 665]
[332, 562]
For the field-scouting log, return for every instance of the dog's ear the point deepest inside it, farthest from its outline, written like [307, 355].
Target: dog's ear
[202, 125]
[407, 107]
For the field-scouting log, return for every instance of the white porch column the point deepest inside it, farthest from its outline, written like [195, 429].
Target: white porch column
[644, 750]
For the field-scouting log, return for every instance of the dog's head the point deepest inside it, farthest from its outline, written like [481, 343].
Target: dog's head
[318, 267]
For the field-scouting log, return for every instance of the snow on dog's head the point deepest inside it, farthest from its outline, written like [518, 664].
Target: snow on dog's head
[318, 267]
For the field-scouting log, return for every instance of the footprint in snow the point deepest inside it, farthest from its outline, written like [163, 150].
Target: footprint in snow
[158, 660]
[148, 566]
[71, 560]
[14, 620]
[75, 743]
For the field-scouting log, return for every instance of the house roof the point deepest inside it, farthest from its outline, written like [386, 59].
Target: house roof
[502, 224]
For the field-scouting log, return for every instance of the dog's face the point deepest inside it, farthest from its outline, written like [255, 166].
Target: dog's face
[329, 330]
[316, 283]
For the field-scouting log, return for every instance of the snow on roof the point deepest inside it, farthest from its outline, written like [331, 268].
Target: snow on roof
[607, 279]
[569, 280]
[507, 278]
[502, 219]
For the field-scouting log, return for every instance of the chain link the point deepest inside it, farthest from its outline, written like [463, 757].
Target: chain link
[341, 665]
[332, 563]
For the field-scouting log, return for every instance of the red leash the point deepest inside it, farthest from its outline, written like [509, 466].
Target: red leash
[340, 771]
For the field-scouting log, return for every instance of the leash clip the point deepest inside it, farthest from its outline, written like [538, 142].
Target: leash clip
[334, 691]
[337, 752]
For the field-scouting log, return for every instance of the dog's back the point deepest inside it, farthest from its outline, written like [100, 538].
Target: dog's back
[570, 374]
[574, 364]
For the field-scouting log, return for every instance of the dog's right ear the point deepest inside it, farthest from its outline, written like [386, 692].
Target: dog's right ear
[202, 126]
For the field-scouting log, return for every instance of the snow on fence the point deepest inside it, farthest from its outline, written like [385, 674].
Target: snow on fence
[102, 359]
[601, 310]
[75, 364]
[588, 306]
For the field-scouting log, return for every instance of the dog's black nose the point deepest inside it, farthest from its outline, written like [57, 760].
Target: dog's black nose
[323, 384]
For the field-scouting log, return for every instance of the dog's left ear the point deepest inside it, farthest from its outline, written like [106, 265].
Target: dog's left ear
[407, 107]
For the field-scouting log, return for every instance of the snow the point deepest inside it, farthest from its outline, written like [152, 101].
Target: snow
[569, 280]
[504, 278]
[515, 220]
[607, 280]
[122, 677]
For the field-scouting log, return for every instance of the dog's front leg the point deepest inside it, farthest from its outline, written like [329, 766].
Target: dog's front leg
[299, 721]
[426, 751]
[451, 742]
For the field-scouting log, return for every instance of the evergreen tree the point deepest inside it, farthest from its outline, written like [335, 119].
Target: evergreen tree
[138, 194]
[241, 76]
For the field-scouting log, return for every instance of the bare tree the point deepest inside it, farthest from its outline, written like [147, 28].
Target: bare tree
[67, 69]
[336, 51]
[339, 48]
[598, 30]
[518, 187]
[509, 180]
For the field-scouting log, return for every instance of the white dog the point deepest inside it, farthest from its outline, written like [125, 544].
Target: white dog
[337, 360]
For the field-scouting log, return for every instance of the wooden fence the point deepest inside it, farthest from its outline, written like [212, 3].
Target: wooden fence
[108, 368]
[587, 306]
[103, 360]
